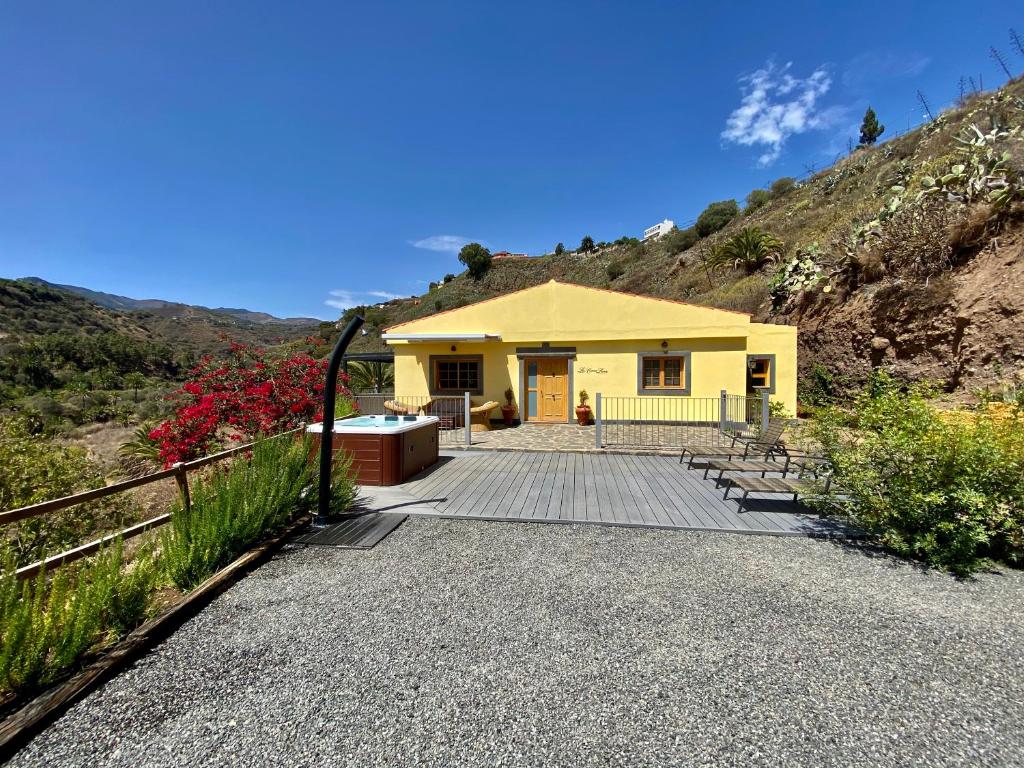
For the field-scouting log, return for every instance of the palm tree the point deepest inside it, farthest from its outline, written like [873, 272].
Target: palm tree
[371, 376]
[135, 381]
[142, 446]
[748, 249]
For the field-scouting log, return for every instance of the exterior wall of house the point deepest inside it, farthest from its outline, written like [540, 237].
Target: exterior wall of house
[608, 332]
[658, 230]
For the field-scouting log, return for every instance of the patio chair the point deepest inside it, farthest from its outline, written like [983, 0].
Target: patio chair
[449, 411]
[765, 445]
[480, 416]
[397, 408]
[797, 486]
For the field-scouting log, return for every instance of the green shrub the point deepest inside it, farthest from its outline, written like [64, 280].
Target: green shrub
[48, 625]
[615, 270]
[782, 186]
[35, 469]
[748, 249]
[943, 487]
[715, 217]
[476, 258]
[233, 508]
[679, 240]
[756, 199]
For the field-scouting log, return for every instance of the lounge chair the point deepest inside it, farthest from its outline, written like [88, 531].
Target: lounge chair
[767, 444]
[397, 408]
[480, 416]
[796, 486]
[744, 465]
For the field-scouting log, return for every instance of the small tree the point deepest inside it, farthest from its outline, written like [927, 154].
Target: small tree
[559, 249]
[448, 278]
[756, 199]
[782, 186]
[870, 129]
[716, 216]
[587, 244]
[476, 258]
[135, 381]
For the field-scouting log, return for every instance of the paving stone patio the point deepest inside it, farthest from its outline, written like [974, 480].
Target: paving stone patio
[648, 438]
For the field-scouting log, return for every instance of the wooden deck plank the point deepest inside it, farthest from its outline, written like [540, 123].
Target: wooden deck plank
[617, 489]
[565, 511]
[513, 502]
[506, 473]
[660, 515]
[677, 512]
[468, 496]
[686, 495]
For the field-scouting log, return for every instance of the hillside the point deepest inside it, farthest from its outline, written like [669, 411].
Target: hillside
[34, 307]
[908, 254]
[172, 308]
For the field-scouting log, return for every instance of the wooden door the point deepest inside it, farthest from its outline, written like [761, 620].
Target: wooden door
[547, 386]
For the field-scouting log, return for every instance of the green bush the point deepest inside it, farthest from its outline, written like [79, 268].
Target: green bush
[756, 199]
[943, 487]
[782, 186]
[615, 270]
[679, 240]
[715, 217]
[48, 624]
[34, 469]
[233, 508]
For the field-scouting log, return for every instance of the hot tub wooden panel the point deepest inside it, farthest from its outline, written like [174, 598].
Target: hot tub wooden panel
[389, 459]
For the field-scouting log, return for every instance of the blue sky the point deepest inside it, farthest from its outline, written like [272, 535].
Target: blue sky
[297, 158]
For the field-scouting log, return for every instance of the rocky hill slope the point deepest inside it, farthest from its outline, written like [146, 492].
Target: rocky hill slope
[30, 308]
[908, 254]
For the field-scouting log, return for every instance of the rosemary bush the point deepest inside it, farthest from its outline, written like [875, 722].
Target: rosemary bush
[48, 624]
[235, 507]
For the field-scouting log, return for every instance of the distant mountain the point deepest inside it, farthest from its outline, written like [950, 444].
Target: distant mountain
[33, 307]
[170, 308]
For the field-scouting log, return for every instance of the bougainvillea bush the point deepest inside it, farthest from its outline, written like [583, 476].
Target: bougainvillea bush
[237, 398]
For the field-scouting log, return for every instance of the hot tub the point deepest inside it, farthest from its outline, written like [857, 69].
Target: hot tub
[386, 450]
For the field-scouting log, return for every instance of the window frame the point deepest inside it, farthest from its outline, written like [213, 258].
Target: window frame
[434, 381]
[685, 361]
[770, 358]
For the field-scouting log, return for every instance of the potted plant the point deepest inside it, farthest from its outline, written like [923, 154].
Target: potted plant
[583, 410]
[508, 410]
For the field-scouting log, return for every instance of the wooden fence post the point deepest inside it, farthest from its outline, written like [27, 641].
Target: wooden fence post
[181, 478]
[467, 405]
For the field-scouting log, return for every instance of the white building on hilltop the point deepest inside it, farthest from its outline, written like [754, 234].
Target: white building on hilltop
[653, 233]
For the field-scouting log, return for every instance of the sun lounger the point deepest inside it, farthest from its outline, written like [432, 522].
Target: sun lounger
[795, 486]
[767, 444]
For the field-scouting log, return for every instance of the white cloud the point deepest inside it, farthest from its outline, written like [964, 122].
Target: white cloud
[342, 299]
[775, 106]
[442, 243]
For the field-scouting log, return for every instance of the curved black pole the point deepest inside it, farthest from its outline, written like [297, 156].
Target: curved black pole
[327, 433]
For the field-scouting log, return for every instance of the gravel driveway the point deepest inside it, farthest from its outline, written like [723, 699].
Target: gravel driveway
[469, 643]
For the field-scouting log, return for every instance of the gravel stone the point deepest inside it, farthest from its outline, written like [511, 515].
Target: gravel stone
[474, 643]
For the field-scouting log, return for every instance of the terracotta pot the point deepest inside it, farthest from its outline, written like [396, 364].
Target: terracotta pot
[583, 414]
[508, 413]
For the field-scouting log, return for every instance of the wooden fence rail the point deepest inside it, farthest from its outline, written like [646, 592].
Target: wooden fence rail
[178, 471]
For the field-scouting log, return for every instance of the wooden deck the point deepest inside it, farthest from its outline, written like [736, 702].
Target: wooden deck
[611, 489]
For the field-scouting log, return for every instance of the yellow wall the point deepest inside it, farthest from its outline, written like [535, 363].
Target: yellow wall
[608, 330]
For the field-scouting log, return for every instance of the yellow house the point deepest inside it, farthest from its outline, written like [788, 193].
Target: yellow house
[550, 341]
